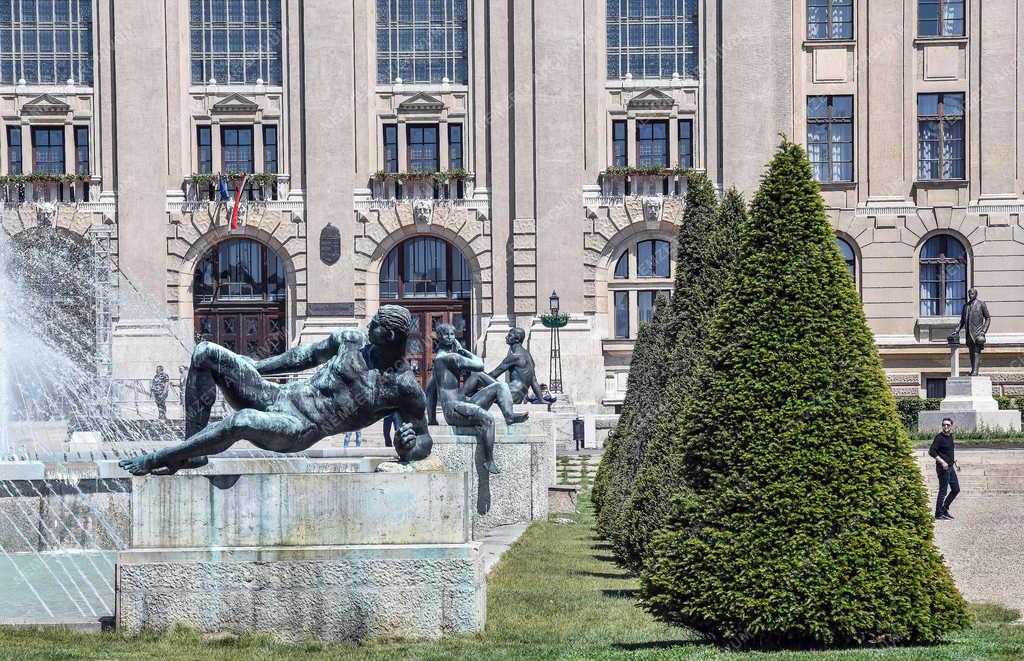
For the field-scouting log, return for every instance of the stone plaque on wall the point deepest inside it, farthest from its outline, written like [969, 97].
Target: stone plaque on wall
[344, 309]
[330, 244]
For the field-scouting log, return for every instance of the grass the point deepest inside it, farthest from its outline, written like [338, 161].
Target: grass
[555, 595]
[974, 439]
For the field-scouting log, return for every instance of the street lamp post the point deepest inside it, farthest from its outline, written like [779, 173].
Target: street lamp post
[555, 364]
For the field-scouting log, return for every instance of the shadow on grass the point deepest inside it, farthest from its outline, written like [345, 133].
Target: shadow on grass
[602, 557]
[656, 645]
[623, 575]
[625, 593]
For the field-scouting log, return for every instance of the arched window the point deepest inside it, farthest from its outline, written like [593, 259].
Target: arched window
[846, 250]
[432, 279]
[239, 291]
[633, 291]
[943, 274]
[622, 267]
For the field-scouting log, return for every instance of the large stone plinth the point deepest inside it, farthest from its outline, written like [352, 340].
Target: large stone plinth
[525, 454]
[334, 557]
[971, 406]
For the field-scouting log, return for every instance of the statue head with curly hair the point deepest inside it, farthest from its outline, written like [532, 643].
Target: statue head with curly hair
[390, 326]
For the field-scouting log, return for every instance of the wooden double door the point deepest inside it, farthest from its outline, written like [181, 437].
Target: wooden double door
[254, 331]
[426, 316]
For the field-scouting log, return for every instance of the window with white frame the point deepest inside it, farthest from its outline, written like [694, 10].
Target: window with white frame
[940, 18]
[830, 137]
[652, 39]
[46, 41]
[641, 273]
[236, 41]
[422, 41]
[829, 19]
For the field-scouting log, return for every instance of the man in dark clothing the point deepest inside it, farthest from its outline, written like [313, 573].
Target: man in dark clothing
[159, 388]
[942, 451]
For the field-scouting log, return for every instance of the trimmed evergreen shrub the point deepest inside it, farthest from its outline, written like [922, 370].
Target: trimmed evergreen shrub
[909, 407]
[805, 521]
[706, 250]
[618, 467]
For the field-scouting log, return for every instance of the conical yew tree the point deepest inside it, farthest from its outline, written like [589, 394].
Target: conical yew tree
[705, 255]
[805, 519]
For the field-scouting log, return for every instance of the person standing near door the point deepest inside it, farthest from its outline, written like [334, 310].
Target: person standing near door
[159, 388]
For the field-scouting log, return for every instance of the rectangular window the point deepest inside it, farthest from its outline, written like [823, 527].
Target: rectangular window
[652, 143]
[830, 137]
[653, 259]
[46, 41]
[940, 18]
[829, 19]
[454, 146]
[236, 148]
[270, 148]
[14, 165]
[622, 314]
[390, 148]
[686, 143]
[422, 146]
[935, 387]
[48, 150]
[235, 42]
[940, 136]
[204, 144]
[620, 152]
[422, 41]
[652, 39]
[82, 150]
[645, 305]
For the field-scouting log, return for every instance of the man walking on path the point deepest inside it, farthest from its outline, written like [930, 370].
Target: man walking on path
[159, 388]
[945, 467]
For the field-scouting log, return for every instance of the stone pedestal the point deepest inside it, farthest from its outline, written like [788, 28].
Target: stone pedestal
[525, 455]
[969, 402]
[334, 557]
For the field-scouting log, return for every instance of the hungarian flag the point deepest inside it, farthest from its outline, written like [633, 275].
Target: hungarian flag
[238, 199]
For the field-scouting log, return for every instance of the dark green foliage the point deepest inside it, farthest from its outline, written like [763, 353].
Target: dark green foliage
[909, 407]
[626, 443]
[806, 522]
[705, 253]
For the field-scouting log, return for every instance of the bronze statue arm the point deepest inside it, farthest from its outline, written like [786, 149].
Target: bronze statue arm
[505, 365]
[464, 359]
[986, 317]
[431, 395]
[302, 357]
[413, 442]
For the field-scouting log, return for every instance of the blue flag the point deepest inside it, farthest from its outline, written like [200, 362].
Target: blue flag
[223, 183]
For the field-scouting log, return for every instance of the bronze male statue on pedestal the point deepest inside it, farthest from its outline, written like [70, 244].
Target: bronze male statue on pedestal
[522, 372]
[975, 320]
[352, 389]
[460, 408]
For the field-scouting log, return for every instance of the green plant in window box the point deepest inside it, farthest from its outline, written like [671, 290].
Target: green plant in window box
[554, 320]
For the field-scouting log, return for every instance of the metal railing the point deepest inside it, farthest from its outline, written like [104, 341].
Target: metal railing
[50, 191]
[665, 185]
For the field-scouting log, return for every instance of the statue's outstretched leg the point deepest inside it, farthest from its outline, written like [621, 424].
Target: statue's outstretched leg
[242, 384]
[468, 414]
[279, 432]
[498, 393]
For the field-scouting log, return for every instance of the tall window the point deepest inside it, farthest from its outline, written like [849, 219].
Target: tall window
[830, 19]
[235, 41]
[454, 146]
[422, 146]
[846, 250]
[425, 268]
[270, 148]
[46, 41]
[830, 137]
[943, 277]
[652, 38]
[239, 270]
[421, 41]
[685, 143]
[940, 18]
[14, 163]
[204, 146]
[390, 148]
[641, 273]
[48, 150]
[237, 149]
[652, 259]
[940, 136]
[652, 143]
[620, 152]
[82, 150]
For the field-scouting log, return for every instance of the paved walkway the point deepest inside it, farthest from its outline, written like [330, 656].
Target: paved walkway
[497, 541]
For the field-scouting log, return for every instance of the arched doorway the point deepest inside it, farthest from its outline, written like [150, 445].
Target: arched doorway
[431, 278]
[239, 294]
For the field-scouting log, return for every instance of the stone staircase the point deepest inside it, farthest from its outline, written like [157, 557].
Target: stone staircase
[577, 468]
[995, 472]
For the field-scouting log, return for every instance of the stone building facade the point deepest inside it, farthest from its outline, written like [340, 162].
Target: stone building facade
[467, 159]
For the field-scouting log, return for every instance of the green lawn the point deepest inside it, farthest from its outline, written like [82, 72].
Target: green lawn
[555, 595]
